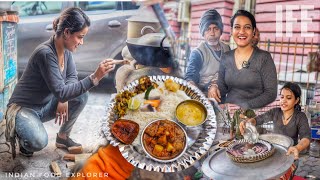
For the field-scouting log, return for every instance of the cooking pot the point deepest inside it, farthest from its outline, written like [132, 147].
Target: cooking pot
[152, 49]
[141, 25]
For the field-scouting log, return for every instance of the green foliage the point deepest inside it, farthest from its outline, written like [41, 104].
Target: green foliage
[249, 113]
[236, 120]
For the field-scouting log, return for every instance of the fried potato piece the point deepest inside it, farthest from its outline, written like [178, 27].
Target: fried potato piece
[158, 150]
[171, 85]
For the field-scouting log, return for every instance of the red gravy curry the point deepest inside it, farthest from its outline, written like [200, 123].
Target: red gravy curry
[164, 139]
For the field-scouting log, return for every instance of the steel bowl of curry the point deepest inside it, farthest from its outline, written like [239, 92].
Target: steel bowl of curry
[164, 140]
[191, 113]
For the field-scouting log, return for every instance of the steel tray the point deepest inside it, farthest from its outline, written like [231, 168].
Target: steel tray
[219, 166]
[199, 138]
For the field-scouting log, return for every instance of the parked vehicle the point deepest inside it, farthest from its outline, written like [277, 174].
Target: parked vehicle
[106, 37]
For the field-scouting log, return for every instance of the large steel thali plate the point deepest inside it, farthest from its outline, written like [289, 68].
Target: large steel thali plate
[199, 138]
[219, 166]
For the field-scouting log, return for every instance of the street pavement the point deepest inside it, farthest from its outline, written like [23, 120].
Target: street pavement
[87, 131]
[309, 167]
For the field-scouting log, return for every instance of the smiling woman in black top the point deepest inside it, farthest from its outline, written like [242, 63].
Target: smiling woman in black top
[247, 74]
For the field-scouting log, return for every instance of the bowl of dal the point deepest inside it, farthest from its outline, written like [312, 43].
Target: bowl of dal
[191, 113]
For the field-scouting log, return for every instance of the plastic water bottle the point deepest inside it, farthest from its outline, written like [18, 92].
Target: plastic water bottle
[314, 148]
[251, 133]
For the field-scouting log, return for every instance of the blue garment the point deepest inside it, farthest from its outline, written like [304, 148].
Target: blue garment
[30, 130]
[203, 65]
[194, 66]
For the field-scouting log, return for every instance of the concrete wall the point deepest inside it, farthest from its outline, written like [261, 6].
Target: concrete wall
[290, 53]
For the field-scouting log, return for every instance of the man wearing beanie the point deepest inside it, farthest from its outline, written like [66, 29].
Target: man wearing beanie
[204, 61]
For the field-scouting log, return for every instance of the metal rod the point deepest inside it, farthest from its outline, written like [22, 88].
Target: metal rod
[294, 58]
[166, 27]
[274, 52]
[272, 44]
[220, 110]
[308, 84]
[280, 56]
[285, 75]
[265, 44]
[274, 49]
[317, 76]
[304, 41]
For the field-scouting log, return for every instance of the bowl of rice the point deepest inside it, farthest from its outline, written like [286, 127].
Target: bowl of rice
[191, 113]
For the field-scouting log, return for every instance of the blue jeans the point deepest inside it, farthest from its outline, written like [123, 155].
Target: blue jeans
[30, 130]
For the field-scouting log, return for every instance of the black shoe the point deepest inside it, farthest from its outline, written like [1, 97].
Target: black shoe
[25, 152]
[66, 143]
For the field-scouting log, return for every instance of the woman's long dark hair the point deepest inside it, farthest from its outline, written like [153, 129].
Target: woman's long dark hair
[296, 90]
[72, 18]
